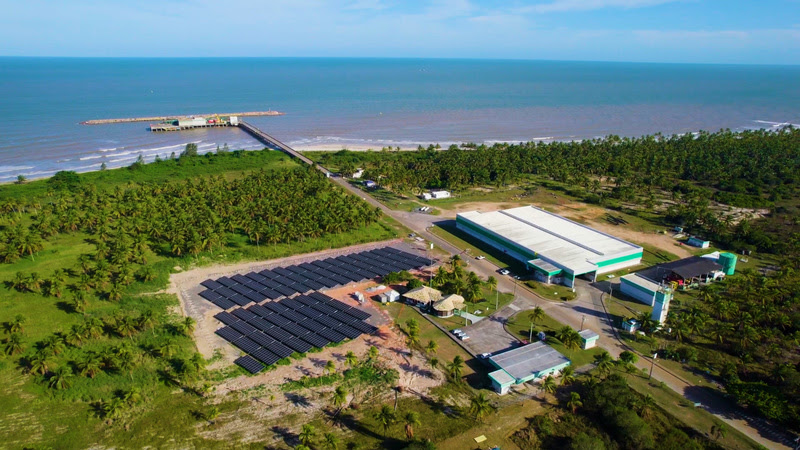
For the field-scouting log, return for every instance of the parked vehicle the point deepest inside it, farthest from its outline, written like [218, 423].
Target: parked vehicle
[463, 337]
[480, 257]
[504, 272]
[485, 355]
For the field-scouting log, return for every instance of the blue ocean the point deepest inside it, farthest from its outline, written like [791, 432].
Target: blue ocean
[365, 103]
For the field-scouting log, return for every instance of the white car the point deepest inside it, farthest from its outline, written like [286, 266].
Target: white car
[478, 312]
[480, 257]
[463, 337]
[457, 331]
[485, 355]
[504, 272]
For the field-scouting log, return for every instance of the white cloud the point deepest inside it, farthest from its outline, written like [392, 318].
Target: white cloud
[588, 5]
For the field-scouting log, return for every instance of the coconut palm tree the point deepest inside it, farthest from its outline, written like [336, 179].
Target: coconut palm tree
[479, 406]
[61, 378]
[339, 398]
[17, 325]
[574, 402]
[330, 441]
[307, 434]
[351, 359]
[645, 405]
[567, 376]
[90, 365]
[455, 368]
[187, 326]
[604, 362]
[411, 419]
[536, 314]
[330, 367]
[549, 385]
[386, 417]
[38, 364]
[719, 430]
[432, 347]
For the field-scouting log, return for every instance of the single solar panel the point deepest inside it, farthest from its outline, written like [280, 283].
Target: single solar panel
[209, 295]
[257, 277]
[298, 345]
[277, 319]
[226, 318]
[240, 300]
[332, 335]
[270, 294]
[338, 305]
[280, 349]
[300, 288]
[307, 266]
[265, 356]
[295, 329]
[224, 303]
[363, 327]
[296, 277]
[275, 307]
[241, 279]
[309, 312]
[320, 296]
[329, 321]
[320, 264]
[255, 296]
[260, 324]
[306, 300]
[311, 325]
[261, 338]
[241, 289]
[342, 280]
[225, 292]
[269, 274]
[293, 316]
[246, 345]
[249, 364]
[348, 331]
[243, 314]
[324, 309]
[272, 284]
[282, 271]
[229, 334]
[259, 310]
[329, 283]
[285, 290]
[343, 317]
[314, 284]
[315, 340]
[211, 284]
[358, 314]
[279, 334]
[243, 327]
[291, 303]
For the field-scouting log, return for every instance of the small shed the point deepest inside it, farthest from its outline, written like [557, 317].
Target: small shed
[631, 326]
[588, 339]
[697, 242]
[527, 363]
[447, 306]
[389, 296]
[359, 296]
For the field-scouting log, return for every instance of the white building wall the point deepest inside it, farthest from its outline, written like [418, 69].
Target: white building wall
[647, 299]
[618, 266]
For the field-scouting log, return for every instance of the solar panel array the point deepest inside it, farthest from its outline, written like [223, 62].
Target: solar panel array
[275, 330]
[273, 284]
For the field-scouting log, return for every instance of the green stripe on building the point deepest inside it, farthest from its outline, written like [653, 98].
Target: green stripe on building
[619, 260]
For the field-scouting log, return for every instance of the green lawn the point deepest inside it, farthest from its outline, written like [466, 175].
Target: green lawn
[554, 292]
[448, 349]
[519, 326]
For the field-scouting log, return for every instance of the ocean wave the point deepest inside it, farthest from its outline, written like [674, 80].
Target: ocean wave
[85, 158]
[777, 124]
[104, 150]
[14, 168]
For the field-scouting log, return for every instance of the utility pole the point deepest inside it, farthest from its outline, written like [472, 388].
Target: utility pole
[652, 364]
[530, 335]
[496, 299]
[583, 319]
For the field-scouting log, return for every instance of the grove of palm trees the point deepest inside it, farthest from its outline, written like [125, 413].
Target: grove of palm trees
[90, 347]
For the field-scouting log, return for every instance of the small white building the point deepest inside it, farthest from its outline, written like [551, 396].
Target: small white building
[358, 173]
[389, 296]
[234, 121]
[359, 296]
[588, 339]
[631, 325]
[436, 195]
[695, 241]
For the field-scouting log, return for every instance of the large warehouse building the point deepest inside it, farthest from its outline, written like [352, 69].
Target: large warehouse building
[557, 249]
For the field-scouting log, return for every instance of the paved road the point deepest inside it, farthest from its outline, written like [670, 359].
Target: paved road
[587, 309]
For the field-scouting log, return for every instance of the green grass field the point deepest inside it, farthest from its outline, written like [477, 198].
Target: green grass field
[519, 326]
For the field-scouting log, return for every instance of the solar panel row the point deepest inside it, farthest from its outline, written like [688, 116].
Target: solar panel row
[227, 292]
[275, 330]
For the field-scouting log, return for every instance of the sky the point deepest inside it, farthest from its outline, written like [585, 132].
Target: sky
[682, 31]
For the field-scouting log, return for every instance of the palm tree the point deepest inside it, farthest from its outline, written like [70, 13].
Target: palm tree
[536, 314]
[567, 376]
[604, 362]
[549, 385]
[373, 353]
[90, 365]
[479, 406]
[307, 434]
[386, 417]
[38, 364]
[331, 442]
[455, 368]
[187, 326]
[432, 347]
[54, 344]
[434, 362]
[351, 359]
[411, 420]
[339, 398]
[133, 396]
[645, 405]
[17, 325]
[61, 378]
[718, 431]
[330, 367]
[574, 402]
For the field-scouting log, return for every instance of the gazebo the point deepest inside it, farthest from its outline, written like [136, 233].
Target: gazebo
[423, 296]
[446, 306]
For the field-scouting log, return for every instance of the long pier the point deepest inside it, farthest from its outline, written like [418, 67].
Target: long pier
[272, 142]
[165, 118]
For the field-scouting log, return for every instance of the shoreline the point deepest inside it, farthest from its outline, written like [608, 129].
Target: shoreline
[180, 116]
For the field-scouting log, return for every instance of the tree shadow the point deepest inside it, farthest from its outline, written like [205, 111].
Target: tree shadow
[66, 307]
[285, 435]
[297, 400]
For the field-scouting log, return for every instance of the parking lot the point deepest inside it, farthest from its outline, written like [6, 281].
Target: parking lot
[489, 335]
